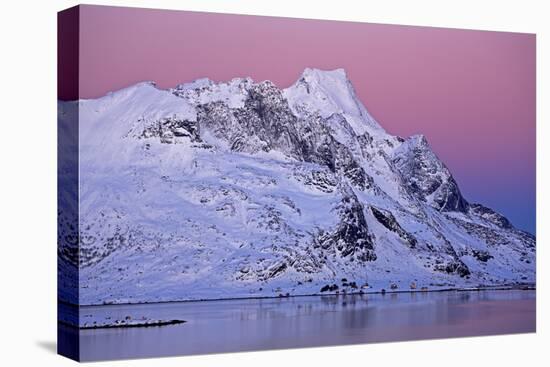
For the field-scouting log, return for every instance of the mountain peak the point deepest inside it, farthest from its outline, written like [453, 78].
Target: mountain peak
[310, 74]
[326, 80]
[330, 92]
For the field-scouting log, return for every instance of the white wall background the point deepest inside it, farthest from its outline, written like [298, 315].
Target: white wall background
[28, 181]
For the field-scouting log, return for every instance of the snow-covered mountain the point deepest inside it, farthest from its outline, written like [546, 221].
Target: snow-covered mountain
[240, 189]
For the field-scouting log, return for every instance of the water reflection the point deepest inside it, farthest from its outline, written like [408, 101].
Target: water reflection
[241, 325]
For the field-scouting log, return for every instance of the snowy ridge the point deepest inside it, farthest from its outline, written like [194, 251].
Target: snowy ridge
[328, 93]
[240, 189]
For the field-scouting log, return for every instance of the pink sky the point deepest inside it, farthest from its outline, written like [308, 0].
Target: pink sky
[472, 93]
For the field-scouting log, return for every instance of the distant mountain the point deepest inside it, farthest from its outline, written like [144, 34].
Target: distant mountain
[240, 189]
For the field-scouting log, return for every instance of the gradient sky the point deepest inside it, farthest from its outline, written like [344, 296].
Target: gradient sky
[472, 93]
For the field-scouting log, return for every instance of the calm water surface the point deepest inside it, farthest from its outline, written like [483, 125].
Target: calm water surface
[245, 325]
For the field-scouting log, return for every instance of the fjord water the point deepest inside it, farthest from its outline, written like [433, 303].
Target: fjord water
[259, 324]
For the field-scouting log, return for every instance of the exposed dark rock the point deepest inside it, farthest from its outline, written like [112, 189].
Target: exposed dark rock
[322, 180]
[322, 148]
[277, 269]
[456, 267]
[426, 176]
[351, 238]
[169, 129]
[490, 215]
[387, 219]
[266, 123]
[481, 255]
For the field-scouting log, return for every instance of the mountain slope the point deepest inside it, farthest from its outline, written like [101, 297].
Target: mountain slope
[240, 189]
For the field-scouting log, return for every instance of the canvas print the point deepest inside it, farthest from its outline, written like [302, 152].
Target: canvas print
[231, 183]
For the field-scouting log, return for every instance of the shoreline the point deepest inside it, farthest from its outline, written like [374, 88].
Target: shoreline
[523, 287]
[123, 326]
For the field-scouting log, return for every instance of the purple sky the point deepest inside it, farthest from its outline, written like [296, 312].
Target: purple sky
[472, 93]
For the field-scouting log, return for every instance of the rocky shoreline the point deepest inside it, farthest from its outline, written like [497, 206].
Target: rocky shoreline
[124, 324]
[522, 286]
